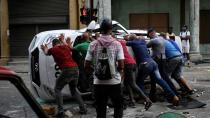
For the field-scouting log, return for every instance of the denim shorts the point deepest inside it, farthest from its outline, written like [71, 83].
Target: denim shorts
[174, 67]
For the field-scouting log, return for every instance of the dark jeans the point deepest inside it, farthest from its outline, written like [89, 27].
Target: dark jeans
[83, 83]
[174, 69]
[151, 69]
[102, 93]
[163, 72]
[68, 76]
[130, 81]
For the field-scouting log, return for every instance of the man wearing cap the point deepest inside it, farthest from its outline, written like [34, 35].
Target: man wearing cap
[185, 37]
[108, 86]
[61, 52]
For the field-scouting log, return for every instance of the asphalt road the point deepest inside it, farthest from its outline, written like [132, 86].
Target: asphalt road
[13, 105]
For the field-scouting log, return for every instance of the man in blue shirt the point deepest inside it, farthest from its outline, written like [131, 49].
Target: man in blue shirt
[148, 67]
[156, 43]
[174, 66]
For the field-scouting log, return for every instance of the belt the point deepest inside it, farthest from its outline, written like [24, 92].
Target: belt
[174, 57]
[142, 63]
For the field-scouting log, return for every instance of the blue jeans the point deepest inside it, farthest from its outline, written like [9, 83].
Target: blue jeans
[162, 63]
[151, 69]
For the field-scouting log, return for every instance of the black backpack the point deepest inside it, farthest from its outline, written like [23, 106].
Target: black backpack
[102, 71]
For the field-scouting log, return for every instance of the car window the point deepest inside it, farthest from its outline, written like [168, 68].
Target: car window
[33, 43]
[118, 31]
[13, 105]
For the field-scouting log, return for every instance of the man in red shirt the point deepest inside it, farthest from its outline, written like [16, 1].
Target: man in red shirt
[62, 54]
[129, 75]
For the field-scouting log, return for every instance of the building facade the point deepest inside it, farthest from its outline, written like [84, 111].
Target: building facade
[162, 14]
[20, 20]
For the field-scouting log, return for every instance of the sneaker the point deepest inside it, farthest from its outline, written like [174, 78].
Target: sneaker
[59, 115]
[148, 104]
[187, 92]
[188, 64]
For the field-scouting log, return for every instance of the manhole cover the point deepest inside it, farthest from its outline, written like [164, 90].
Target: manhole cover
[170, 115]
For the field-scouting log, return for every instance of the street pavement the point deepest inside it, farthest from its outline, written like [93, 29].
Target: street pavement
[198, 76]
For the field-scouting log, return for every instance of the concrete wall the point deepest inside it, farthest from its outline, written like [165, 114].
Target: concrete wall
[122, 8]
[204, 49]
[204, 5]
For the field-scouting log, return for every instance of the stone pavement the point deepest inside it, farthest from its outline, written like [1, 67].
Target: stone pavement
[197, 75]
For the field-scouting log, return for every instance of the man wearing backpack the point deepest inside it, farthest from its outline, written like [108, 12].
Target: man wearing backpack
[108, 57]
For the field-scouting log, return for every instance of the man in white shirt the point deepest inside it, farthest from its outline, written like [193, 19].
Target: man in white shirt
[105, 87]
[185, 37]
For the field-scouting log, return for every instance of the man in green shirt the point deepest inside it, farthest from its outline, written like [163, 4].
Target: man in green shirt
[81, 50]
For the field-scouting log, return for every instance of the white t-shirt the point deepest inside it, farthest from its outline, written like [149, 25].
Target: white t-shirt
[185, 43]
[178, 42]
[115, 52]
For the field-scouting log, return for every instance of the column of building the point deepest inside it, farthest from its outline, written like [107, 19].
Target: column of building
[4, 32]
[104, 9]
[74, 14]
[194, 28]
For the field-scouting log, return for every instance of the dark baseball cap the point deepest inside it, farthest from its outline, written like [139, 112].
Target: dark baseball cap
[55, 41]
[150, 30]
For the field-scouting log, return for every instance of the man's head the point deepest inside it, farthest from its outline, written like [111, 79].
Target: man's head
[163, 34]
[151, 33]
[85, 36]
[126, 37]
[97, 35]
[106, 26]
[184, 28]
[56, 42]
[132, 37]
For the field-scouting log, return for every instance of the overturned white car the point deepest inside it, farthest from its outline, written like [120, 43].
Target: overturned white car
[43, 70]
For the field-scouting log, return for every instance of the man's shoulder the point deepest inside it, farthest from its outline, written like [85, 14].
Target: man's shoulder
[93, 42]
[81, 44]
[116, 42]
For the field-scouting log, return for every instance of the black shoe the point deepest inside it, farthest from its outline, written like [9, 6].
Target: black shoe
[83, 110]
[132, 105]
[187, 93]
[153, 98]
[59, 115]
[148, 104]
[124, 106]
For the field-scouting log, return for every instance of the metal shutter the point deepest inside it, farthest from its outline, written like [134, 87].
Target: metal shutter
[205, 26]
[38, 11]
[29, 17]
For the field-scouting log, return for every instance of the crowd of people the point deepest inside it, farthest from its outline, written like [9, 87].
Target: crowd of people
[105, 66]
